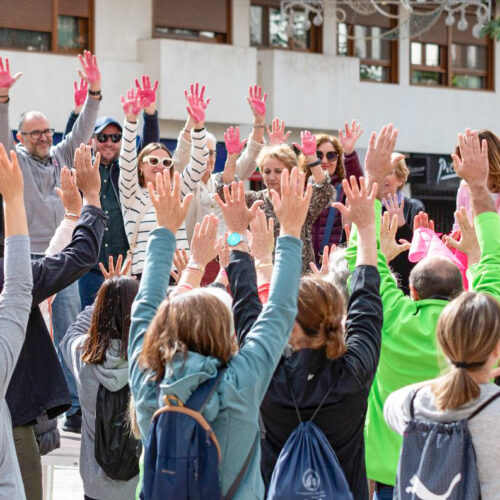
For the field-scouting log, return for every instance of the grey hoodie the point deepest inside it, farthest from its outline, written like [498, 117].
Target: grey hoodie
[484, 428]
[44, 209]
[112, 374]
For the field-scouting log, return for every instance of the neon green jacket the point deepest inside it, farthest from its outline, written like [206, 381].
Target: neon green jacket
[409, 351]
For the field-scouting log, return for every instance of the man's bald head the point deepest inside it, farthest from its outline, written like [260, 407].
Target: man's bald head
[436, 277]
[33, 122]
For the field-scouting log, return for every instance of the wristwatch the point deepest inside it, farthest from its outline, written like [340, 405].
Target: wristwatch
[236, 238]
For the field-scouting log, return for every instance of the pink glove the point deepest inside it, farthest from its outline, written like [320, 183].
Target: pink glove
[91, 73]
[308, 146]
[132, 104]
[197, 104]
[232, 140]
[80, 92]
[256, 100]
[146, 93]
[6, 81]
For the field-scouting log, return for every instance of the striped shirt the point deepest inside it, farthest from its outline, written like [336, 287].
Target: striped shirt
[135, 202]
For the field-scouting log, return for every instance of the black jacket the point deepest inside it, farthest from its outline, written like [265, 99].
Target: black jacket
[37, 384]
[312, 375]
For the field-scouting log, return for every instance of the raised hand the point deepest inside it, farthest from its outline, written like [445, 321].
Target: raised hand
[262, 238]
[392, 205]
[180, 262]
[197, 104]
[223, 253]
[88, 179]
[277, 134]
[292, 206]
[204, 241]
[80, 94]
[115, 270]
[257, 103]
[147, 93]
[90, 70]
[170, 210]
[359, 209]
[132, 105]
[234, 208]
[11, 177]
[308, 143]
[472, 166]
[69, 193]
[325, 261]
[468, 243]
[232, 141]
[422, 220]
[388, 244]
[351, 136]
[6, 80]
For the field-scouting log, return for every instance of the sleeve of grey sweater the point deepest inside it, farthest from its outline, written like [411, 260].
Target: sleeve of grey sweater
[15, 305]
[5, 132]
[81, 133]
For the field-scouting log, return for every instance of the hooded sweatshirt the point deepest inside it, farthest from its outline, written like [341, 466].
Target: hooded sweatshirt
[112, 374]
[233, 410]
[410, 353]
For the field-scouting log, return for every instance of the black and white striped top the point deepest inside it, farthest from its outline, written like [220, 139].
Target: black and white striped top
[134, 198]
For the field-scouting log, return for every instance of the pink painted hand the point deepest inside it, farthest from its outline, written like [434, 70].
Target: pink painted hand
[197, 104]
[308, 143]
[90, 73]
[131, 105]
[6, 80]
[257, 101]
[232, 140]
[80, 92]
[277, 134]
[146, 92]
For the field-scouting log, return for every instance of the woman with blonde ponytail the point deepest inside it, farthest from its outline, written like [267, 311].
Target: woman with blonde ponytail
[468, 333]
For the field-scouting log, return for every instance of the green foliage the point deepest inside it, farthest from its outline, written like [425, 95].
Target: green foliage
[492, 29]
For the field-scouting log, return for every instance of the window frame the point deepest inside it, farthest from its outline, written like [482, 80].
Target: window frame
[54, 39]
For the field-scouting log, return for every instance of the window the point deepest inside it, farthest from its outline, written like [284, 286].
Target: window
[203, 21]
[447, 57]
[363, 37]
[267, 29]
[62, 26]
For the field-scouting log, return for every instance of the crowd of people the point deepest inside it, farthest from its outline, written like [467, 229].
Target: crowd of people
[153, 301]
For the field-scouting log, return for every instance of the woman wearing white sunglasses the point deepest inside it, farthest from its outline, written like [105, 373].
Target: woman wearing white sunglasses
[137, 171]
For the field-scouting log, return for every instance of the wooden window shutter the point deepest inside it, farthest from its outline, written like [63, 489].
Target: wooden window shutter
[34, 15]
[74, 8]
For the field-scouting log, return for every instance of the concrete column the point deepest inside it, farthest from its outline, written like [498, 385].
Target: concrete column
[240, 23]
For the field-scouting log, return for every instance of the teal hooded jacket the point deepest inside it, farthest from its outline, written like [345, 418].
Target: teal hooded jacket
[233, 411]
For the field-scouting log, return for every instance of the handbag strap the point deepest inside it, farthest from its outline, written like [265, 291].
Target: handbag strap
[332, 212]
[142, 213]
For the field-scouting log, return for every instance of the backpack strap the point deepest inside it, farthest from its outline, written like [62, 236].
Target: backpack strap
[484, 405]
[412, 404]
[200, 397]
[332, 212]
[236, 483]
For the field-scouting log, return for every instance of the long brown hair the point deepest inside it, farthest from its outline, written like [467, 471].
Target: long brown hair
[468, 331]
[196, 321]
[146, 151]
[320, 139]
[320, 312]
[110, 319]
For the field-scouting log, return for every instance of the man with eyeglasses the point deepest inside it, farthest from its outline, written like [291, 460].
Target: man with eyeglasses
[41, 162]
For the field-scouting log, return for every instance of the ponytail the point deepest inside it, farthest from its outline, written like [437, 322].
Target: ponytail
[331, 330]
[454, 389]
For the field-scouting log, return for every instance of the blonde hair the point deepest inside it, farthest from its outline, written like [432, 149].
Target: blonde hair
[320, 139]
[282, 152]
[468, 331]
[320, 312]
[146, 151]
[195, 321]
[401, 170]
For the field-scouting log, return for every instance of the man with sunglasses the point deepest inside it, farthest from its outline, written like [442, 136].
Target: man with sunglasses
[41, 162]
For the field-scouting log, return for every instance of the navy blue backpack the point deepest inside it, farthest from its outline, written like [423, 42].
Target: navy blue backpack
[182, 454]
[307, 467]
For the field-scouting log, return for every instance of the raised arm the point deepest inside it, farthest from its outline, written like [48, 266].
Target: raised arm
[348, 140]
[15, 299]
[83, 128]
[170, 212]
[6, 82]
[151, 127]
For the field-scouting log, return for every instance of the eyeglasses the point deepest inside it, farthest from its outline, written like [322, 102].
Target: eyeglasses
[154, 161]
[104, 137]
[330, 156]
[36, 134]
[212, 153]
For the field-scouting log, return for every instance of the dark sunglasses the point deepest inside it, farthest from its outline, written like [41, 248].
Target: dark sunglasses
[104, 137]
[330, 156]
